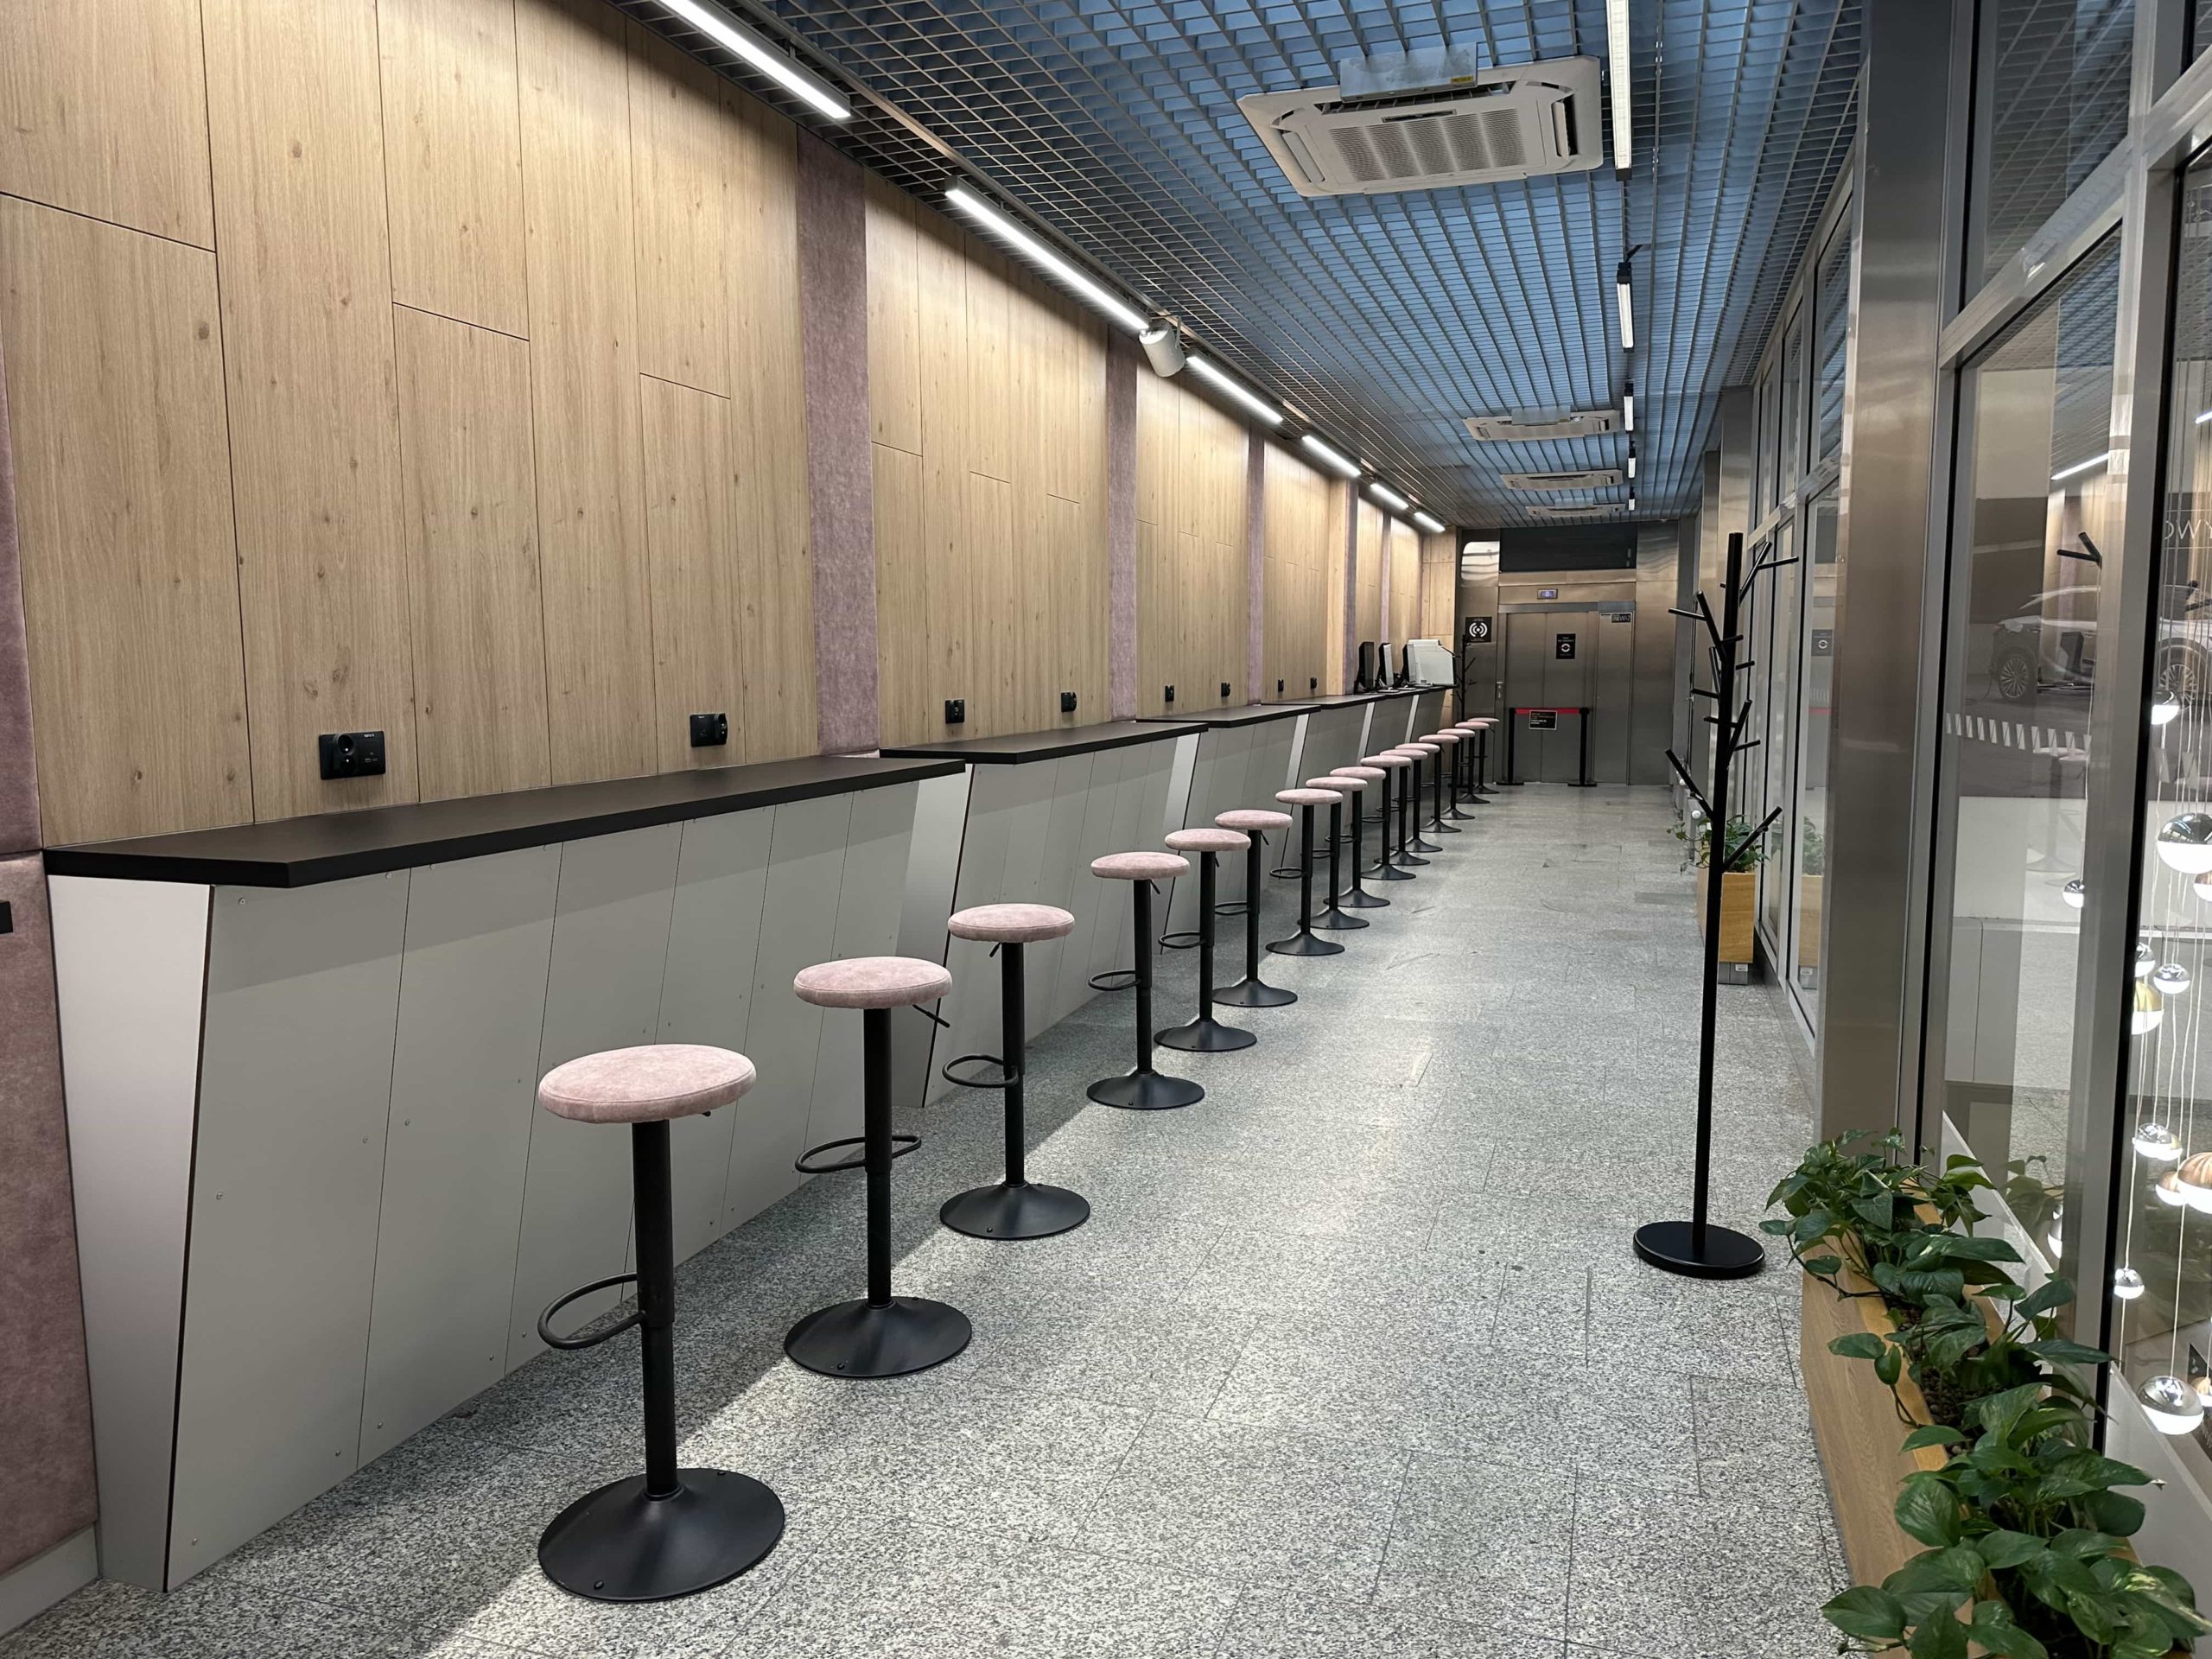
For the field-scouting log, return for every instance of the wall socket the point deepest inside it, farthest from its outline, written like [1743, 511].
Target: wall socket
[1278, 688]
[1225, 688]
[1170, 693]
[351, 754]
[955, 711]
[1067, 702]
[1311, 685]
[709, 730]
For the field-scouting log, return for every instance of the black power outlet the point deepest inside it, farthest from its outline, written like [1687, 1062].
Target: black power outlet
[351, 754]
[1225, 688]
[1278, 688]
[1170, 693]
[1311, 685]
[7, 917]
[955, 711]
[1067, 702]
[707, 731]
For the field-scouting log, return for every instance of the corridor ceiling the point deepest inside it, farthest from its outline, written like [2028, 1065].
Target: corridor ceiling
[1384, 320]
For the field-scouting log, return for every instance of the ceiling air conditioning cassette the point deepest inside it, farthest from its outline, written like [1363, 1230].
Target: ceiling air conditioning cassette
[1547, 510]
[1537, 425]
[1595, 478]
[1495, 124]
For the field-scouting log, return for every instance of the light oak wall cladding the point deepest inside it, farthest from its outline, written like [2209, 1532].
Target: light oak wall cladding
[1301, 518]
[987, 400]
[1440, 589]
[1368, 621]
[1193, 593]
[1401, 546]
[428, 365]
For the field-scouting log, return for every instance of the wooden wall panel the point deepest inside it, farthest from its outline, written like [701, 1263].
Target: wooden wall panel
[583, 313]
[679, 132]
[453, 159]
[1193, 594]
[1440, 589]
[103, 112]
[1367, 576]
[295, 128]
[469, 503]
[772, 515]
[991, 486]
[689, 503]
[1340, 573]
[1402, 548]
[115, 375]
[1296, 530]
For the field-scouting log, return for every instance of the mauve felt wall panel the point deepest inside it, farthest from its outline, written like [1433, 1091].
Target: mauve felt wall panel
[840, 474]
[1122, 365]
[18, 777]
[46, 1422]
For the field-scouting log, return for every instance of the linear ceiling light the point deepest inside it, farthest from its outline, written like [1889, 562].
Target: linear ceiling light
[728, 33]
[1621, 293]
[1632, 460]
[2079, 468]
[2206, 416]
[1208, 370]
[1379, 490]
[1085, 288]
[1628, 407]
[1426, 520]
[1335, 459]
[1617, 73]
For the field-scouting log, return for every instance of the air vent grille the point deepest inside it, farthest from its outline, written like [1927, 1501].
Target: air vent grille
[1551, 510]
[1535, 427]
[1594, 478]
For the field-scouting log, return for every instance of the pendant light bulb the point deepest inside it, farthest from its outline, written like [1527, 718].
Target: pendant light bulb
[2158, 1143]
[2171, 1404]
[2127, 1284]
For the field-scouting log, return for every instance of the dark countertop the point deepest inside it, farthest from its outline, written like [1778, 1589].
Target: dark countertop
[1249, 713]
[333, 846]
[1018, 747]
[1343, 698]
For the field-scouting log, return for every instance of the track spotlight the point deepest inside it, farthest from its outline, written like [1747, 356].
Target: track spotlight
[1163, 349]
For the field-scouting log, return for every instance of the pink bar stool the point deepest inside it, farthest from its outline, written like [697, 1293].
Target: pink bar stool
[1306, 942]
[1409, 804]
[1424, 756]
[1483, 725]
[881, 1335]
[670, 1531]
[1334, 916]
[1206, 1034]
[1143, 1089]
[1016, 1207]
[1356, 897]
[1463, 795]
[1251, 991]
[1446, 767]
[1390, 861]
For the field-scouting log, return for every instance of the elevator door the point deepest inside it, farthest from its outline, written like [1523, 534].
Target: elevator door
[1552, 662]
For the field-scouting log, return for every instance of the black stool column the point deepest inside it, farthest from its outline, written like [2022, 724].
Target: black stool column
[1252, 991]
[1444, 770]
[1386, 867]
[1206, 1034]
[1408, 785]
[1359, 897]
[1306, 942]
[1424, 763]
[1463, 787]
[1143, 1089]
[1334, 916]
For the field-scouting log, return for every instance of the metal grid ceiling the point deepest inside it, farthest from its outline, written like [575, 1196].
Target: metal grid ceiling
[1385, 320]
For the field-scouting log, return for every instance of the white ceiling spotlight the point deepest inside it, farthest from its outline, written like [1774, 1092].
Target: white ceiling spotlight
[733, 36]
[1335, 459]
[1080, 284]
[1163, 349]
[1377, 491]
[1628, 407]
[1621, 105]
[1213, 373]
[1427, 521]
[1624, 295]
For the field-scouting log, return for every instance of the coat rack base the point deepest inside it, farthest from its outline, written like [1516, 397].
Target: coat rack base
[1727, 1253]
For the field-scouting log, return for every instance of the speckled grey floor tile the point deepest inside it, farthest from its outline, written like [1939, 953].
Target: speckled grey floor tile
[1352, 1359]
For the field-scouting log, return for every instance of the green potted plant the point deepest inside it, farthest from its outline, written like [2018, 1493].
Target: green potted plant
[1739, 883]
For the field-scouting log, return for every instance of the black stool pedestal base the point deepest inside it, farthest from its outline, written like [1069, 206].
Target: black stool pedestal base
[617, 1544]
[1306, 944]
[1357, 899]
[860, 1339]
[1205, 1036]
[1030, 1210]
[1334, 920]
[1391, 873]
[1727, 1253]
[1254, 994]
[1146, 1092]
[1417, 845]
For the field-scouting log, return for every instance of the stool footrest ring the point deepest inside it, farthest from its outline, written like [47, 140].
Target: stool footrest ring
[1007, 1077]
[900, 1146]
[1181, 939]
[545, 1330]
[1121, 979]
[1231, 907]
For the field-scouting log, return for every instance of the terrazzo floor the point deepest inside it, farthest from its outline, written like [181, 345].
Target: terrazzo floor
[1352, 1359]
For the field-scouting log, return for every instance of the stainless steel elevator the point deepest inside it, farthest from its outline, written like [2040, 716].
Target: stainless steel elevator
[1565, 655]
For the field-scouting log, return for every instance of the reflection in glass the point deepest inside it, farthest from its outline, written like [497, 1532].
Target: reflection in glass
[2165, 1233]
[1789, 443]
[2037, 504]
[1833, 324]
[1778, 692]
[2057, 71]
[1821, 572]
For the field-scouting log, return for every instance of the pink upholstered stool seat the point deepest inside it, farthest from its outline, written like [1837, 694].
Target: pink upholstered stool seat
[1389, 759]
[1253, 820]
[1307, 796]
[1341, 783]
[1010, 924]
[1365, 774]
[646, 1084]
[872, 982]
[1139, 867]
[1445, 738]
[1203, 839]
[1421, 746]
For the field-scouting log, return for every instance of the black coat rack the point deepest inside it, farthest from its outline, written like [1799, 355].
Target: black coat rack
[1697, 1248]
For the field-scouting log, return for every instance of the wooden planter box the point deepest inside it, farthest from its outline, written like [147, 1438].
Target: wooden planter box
[1809, 914]
[1740, 905]
[1855, 1423]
